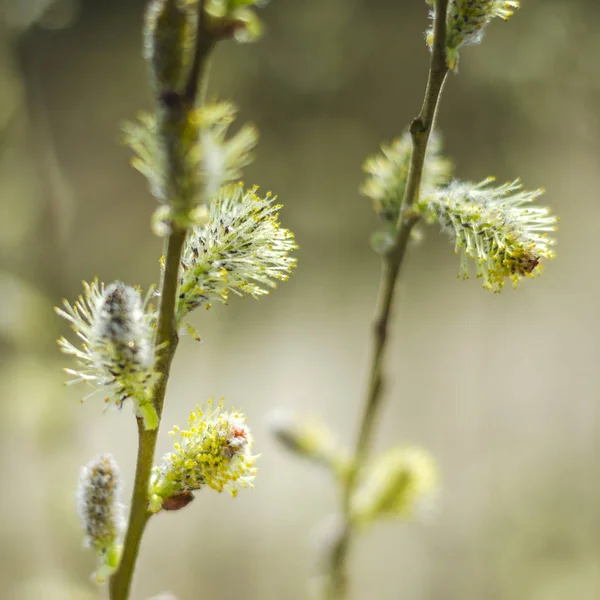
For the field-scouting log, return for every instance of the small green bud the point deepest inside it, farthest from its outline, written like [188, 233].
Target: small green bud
[383, 241]
[309, 439]
[400, 482]
[233, 19]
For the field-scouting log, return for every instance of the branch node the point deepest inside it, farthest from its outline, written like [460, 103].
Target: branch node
[417, 127]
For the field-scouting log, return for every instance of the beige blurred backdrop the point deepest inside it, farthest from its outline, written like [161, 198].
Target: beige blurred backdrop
[504, 389]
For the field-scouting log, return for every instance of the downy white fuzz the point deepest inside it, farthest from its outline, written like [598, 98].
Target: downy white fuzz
[496, 227]
[101, 512]
[242, 249]
[205, 159]
[387, 173]
[117, 354]
[466, 22]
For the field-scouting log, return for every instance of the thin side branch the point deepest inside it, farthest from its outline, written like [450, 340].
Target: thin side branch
[204, 45]
[420, 130]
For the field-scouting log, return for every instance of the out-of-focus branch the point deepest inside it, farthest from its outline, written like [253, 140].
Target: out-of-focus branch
[420, 130]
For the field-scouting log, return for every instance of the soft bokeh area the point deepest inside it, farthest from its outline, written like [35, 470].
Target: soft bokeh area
[503, 389]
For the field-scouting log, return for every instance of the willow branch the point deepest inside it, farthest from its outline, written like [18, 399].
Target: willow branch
[166, 339]
[420, 130]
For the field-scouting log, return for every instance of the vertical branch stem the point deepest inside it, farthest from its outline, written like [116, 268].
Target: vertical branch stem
[166, 335]
[420, 130]
[139, 516]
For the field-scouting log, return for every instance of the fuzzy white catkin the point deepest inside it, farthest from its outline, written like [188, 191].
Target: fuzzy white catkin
[121, 327]
[98, 494]
[242, 249]
[116, 344]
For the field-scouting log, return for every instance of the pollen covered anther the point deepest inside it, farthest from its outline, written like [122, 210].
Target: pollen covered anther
[214, 451]
[496, 227]
[242, 249]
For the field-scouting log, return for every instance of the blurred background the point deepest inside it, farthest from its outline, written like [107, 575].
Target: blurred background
[503, 389]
